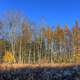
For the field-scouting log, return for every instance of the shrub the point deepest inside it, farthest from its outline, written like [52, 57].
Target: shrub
[8, 57]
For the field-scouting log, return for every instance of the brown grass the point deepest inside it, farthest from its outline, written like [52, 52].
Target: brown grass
[15, 66]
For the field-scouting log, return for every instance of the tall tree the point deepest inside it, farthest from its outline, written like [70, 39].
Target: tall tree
[12, 22]
[49, 35]
[26, 39]
[68, 42]
[59, 38]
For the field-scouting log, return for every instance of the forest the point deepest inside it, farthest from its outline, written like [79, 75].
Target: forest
[23, 41]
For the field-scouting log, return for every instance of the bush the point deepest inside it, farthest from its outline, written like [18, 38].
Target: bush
[8, 57]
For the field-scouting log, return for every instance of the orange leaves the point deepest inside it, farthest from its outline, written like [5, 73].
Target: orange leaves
[27, 35]
[25, 27]
[59, 33]
[75, 29]
[58, 29]
[49, 34]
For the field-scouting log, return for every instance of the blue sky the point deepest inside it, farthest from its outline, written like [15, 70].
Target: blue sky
[54, 11]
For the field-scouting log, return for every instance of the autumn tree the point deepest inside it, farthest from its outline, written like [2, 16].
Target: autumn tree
[8, 57]
[12, 24]
[49, 35]
[11, 33]
[43, 42]
[68, 41]
[26, 40]
[76, 38]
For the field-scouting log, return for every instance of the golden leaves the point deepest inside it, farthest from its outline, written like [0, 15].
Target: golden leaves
[8, 57]
[74, 30]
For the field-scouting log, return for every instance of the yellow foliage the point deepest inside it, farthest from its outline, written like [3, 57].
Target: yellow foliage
[77, 57]
[75, 30]
[8, 57]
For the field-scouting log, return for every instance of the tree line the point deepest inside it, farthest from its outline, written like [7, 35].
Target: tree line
[22, 42]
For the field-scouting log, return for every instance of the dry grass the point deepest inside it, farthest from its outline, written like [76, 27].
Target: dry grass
[15, 66]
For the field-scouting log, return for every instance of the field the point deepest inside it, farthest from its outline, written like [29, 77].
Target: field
[39, 72]
[15, 66]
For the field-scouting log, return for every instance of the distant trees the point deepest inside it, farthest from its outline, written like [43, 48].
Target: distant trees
[25, 44]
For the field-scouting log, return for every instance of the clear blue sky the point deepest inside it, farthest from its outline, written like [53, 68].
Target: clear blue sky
[54, 11]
